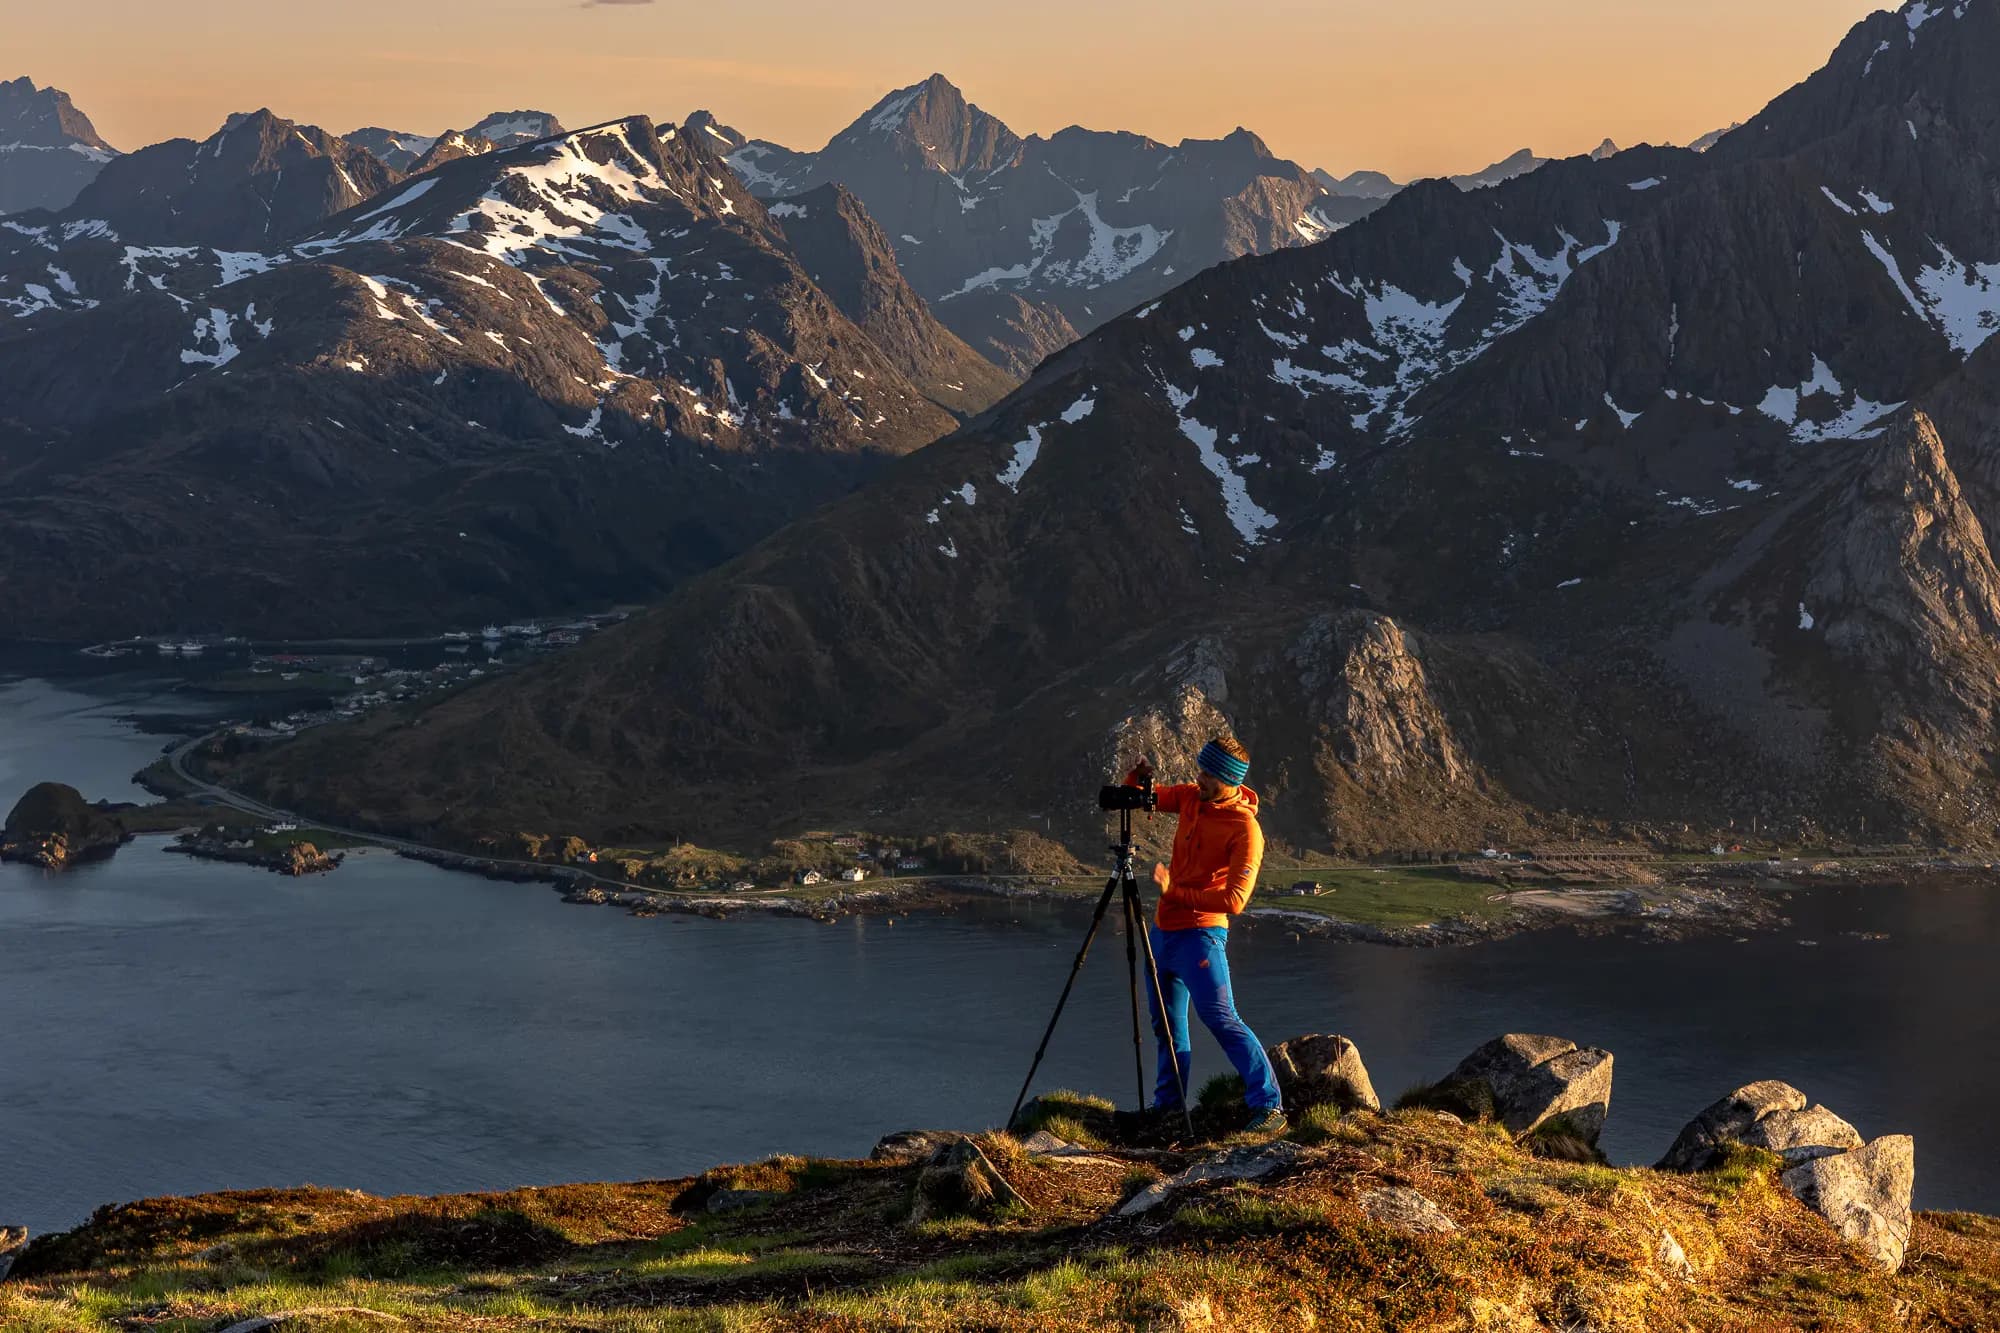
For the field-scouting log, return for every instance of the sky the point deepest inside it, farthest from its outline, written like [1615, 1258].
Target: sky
[1410, 87]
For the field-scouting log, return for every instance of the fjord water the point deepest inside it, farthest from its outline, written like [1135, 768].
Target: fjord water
[169, 1026]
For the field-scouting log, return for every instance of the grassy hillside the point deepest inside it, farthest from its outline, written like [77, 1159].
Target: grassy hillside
[796, 1244]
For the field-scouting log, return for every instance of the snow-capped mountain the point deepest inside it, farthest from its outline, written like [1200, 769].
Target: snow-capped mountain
[1019, 242]
[1639, 492]
[570, 372]
[511, 129]
[397, 149]
[255, 181]
[48, 149]
[414, 154]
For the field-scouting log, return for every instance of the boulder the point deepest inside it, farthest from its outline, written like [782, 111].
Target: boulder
[1323, 1070]
[1800, 1136]
[1533, 1080]
[1864, 1193]
[1700, 1145]
[1249, 1163]
[12, 1240]
[913, 1145]
[52, 826]
[960, 1181]
[1407, 1211]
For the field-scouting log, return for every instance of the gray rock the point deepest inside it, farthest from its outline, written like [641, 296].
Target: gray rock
[1323, 1070]
[1699, 1146]
[1248, 1163]
[1407, 1211]
[1865, 1194]
[914, 1145]
[1041, 1141]
[1672, 1258]
[12, 1240]
[1534, 1079]
[1800, 1136]
[961, 1180]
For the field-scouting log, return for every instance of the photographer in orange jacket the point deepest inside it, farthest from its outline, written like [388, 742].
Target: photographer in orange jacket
[1218, 849]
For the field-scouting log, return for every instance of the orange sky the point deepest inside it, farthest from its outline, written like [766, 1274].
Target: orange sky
[1412, 87]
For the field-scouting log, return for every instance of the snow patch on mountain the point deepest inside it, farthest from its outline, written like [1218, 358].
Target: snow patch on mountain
[1964, 299]
[1250, 520]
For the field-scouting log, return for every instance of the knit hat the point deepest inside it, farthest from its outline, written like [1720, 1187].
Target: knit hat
[1223, 766]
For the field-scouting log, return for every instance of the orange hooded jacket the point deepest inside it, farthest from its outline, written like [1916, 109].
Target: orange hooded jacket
[1218, 850]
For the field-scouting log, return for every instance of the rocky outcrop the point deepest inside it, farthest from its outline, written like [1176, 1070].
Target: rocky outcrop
[1370, 692]
[52, 826]
[1323, 1070]
[1863, 1189]
[1253, 1162]
[1865, 1194]
[1406, 1210]
[1529, 1082]
[911, 1145]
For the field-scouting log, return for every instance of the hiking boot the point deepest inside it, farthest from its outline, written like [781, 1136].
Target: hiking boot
[1271, 1121]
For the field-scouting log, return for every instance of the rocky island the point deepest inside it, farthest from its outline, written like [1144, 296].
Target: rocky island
[53, 827]
[1767, 1213]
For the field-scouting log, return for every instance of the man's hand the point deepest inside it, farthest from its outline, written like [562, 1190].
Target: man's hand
[1161, 877]
[1143, 770]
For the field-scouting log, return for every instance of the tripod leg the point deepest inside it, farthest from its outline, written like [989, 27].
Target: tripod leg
[1133, 925]
[1159, 998]
[1096, 920]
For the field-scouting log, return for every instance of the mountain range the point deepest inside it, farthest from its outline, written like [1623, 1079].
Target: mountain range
[1643, 493]
[265, 382]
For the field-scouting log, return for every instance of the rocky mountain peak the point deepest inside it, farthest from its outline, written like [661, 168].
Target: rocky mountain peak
[934, 118]
[722, 138]
[257, 180]
[397, 148]
[49, 150]
[44, 117]
[1358, 185]
[449, 148]
[510, 129]
[1939, 54]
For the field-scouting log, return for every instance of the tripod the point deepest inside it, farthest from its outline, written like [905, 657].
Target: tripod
[1122, 884]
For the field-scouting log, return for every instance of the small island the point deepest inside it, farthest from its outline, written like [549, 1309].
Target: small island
[53, 827]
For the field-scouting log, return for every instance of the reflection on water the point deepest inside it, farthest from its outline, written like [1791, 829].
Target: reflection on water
[172, 1025]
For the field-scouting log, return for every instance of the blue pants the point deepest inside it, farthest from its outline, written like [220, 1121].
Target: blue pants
[1194, 965]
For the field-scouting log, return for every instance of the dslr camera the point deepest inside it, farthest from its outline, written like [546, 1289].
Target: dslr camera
[1129, 797]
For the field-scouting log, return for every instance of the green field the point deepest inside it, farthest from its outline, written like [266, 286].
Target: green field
[1387, 897]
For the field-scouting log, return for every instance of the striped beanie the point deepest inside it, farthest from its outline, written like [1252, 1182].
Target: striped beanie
[1223, 766]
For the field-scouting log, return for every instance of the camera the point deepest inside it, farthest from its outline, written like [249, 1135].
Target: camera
[1128, 797]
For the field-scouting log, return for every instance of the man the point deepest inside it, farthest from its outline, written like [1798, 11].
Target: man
[1218, 849]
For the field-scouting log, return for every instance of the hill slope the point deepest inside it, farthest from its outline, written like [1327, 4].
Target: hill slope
[1377, 1222]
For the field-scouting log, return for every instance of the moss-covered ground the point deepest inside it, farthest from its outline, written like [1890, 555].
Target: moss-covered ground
[1540, 1244]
